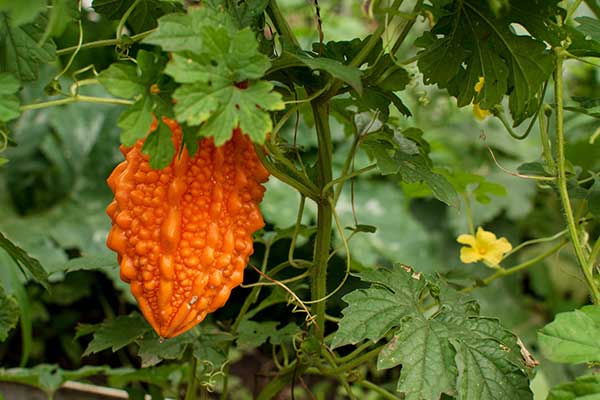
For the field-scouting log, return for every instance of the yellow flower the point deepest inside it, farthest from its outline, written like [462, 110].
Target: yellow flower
[483, 246]
[478, 111]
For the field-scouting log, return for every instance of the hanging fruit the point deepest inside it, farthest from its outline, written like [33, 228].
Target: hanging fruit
[183, 234]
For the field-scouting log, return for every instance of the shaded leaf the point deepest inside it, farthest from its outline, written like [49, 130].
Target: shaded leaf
[47, 377]
[143, 17]
[9, 102]
[20, 52]
[159, 146]
[22, 12]
[24, 260]
[9, 313]
[115, 333]
[585, 387]
[252, 334]
[136, 121]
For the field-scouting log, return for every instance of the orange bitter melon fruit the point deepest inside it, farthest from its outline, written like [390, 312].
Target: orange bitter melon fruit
[183, 234]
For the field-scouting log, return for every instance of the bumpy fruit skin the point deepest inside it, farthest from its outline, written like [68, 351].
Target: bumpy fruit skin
[183, 234]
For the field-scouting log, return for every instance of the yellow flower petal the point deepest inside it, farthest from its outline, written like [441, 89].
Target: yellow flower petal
[480, 113]
[479, 84]
[469, 255]
[493, 257]
[466, 239]
[485, 238]
[503, 245]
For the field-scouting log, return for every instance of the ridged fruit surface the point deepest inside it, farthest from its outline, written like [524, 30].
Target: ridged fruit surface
[183, 234]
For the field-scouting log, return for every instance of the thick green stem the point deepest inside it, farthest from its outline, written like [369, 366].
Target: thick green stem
[280, 23]
[562, 180]
[324, 216]
[406, 27]
[190, 393]
[594, 6]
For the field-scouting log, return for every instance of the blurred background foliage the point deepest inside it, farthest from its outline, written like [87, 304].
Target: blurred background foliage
[53, 197]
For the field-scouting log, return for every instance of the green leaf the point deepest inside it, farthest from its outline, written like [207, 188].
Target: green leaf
[144, 15]
[392, 158]
[136, 121]
[249, 12]
[92, 262]
[159, 146]
[470, 42]
[589, 26]
[285, 335]
[252, 334]
[115, 333]
[62, 13]
[121, 80]
[346, 73]
[449, 349]
[9, 102]
[423, 349]
[128, 80]
[20, 52]
[585, 387]
[183, 32]
[210, 346]
[572, 337]
[24, 260]
[532, 168]
[153, 349]
[217, 66]
[46, 377]
[224, 108]
[9, 314]
[165, 376]
[594, 198]
[22, 12]
[372, 312]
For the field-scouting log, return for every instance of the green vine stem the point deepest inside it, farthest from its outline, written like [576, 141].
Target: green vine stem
[546, 144]
[498, 112]
[324, 216]
[124, 18]
[75, 99]
[562, 179]
[536, 241]
[406, 27]
[282, 176]
[377, 389]
[190, 393]
[105, 43]
[280, 23]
